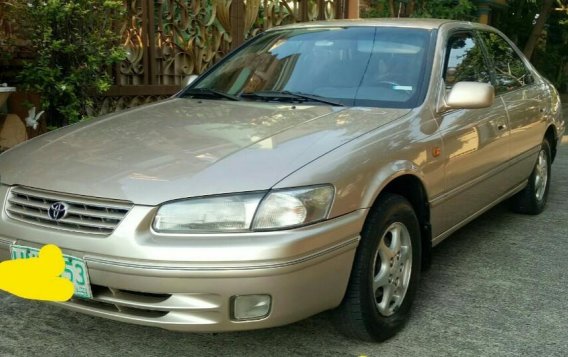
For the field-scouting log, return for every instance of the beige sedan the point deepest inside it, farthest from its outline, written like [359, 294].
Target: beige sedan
[312, 169]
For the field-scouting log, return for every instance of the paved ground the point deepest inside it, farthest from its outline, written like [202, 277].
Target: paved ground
[498, 287]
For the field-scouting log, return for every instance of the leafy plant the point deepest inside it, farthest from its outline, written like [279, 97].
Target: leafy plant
[75, 43]
[443, 9]
[550, 55]
[446, 9]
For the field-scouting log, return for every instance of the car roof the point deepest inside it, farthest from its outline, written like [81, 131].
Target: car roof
[428, 24]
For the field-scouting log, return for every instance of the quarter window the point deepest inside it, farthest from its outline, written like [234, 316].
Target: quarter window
[510, 70]
[464, 61]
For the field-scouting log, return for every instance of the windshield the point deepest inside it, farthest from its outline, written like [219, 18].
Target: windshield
[355, 66]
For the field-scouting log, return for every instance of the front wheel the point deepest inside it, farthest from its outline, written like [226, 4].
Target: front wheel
[532, 199]
[385, 272]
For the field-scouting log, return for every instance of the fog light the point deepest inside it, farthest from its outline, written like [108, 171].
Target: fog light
[250, 307]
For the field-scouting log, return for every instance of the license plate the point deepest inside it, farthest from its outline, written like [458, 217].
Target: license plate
[75, 269]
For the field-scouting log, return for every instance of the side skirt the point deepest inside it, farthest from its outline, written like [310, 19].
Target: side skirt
[440, 238]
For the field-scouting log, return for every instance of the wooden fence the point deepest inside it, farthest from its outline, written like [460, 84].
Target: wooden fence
[167, 40]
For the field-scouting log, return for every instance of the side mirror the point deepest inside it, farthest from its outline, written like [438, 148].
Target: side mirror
[188, 80]
[469, 95]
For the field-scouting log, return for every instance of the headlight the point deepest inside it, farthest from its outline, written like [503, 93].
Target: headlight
[293, 207]
[209, 214]
[236, 213]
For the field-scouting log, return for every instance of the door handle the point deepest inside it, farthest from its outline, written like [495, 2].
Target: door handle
[502, 127]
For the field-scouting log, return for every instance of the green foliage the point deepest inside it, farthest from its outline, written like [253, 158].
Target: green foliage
[75, 44]
[446, 9]
[517, 20]
[550, 56]
[442, 9]
[377, 8]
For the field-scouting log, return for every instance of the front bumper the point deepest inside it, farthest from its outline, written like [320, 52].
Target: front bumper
[187, 283]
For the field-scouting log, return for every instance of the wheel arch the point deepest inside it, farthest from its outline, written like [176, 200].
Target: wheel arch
[411, 187]
[552, 137]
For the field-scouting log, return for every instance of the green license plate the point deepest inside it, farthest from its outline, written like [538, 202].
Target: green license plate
[75, 269]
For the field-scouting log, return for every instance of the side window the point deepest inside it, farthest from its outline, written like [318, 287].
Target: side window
[464, 61]
[510, 71]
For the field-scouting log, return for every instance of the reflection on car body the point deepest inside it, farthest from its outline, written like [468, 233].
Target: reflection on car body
[311, 169]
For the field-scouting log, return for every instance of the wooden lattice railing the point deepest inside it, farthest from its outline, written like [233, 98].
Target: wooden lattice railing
[186, 37]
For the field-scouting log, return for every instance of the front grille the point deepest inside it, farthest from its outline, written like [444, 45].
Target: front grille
[84, 214]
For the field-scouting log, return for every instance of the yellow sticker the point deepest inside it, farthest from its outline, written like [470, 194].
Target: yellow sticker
[37, 278]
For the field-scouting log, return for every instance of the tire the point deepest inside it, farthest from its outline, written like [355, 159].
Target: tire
[532, 199]
[367, 313]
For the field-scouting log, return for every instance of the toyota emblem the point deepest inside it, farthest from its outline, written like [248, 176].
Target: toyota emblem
[57, 211]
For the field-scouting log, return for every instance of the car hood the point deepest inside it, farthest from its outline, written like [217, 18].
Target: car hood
[185, 148]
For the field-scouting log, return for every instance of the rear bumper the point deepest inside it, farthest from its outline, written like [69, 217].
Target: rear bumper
[305, 271]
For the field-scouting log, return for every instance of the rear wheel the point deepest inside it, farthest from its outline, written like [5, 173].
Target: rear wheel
[532, 199]
[385, 272]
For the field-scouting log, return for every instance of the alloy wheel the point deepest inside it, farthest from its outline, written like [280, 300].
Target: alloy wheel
[392, 268]
[541, 175]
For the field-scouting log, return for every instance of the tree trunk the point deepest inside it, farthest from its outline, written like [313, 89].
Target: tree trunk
[538, 27]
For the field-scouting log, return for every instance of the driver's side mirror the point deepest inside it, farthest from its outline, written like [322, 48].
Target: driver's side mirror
[188, 80]
[469, 95]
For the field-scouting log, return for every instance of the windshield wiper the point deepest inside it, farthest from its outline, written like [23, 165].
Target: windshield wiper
[290, 96]
[208, 93]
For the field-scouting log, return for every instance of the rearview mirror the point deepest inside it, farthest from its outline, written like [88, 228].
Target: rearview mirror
[469, 95]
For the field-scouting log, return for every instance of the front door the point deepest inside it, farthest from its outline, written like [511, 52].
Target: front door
[520, 93]
[475, 140]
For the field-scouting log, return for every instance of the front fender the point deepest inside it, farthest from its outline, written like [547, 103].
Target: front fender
[360, 169]
[389, 173]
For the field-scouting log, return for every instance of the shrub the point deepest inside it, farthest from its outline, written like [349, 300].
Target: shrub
[75, 45]
[442, 9]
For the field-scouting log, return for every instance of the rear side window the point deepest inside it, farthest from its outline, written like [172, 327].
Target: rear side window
[464, 60]
[510, 70]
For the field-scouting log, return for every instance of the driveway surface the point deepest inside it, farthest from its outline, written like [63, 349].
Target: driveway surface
[497, 287]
